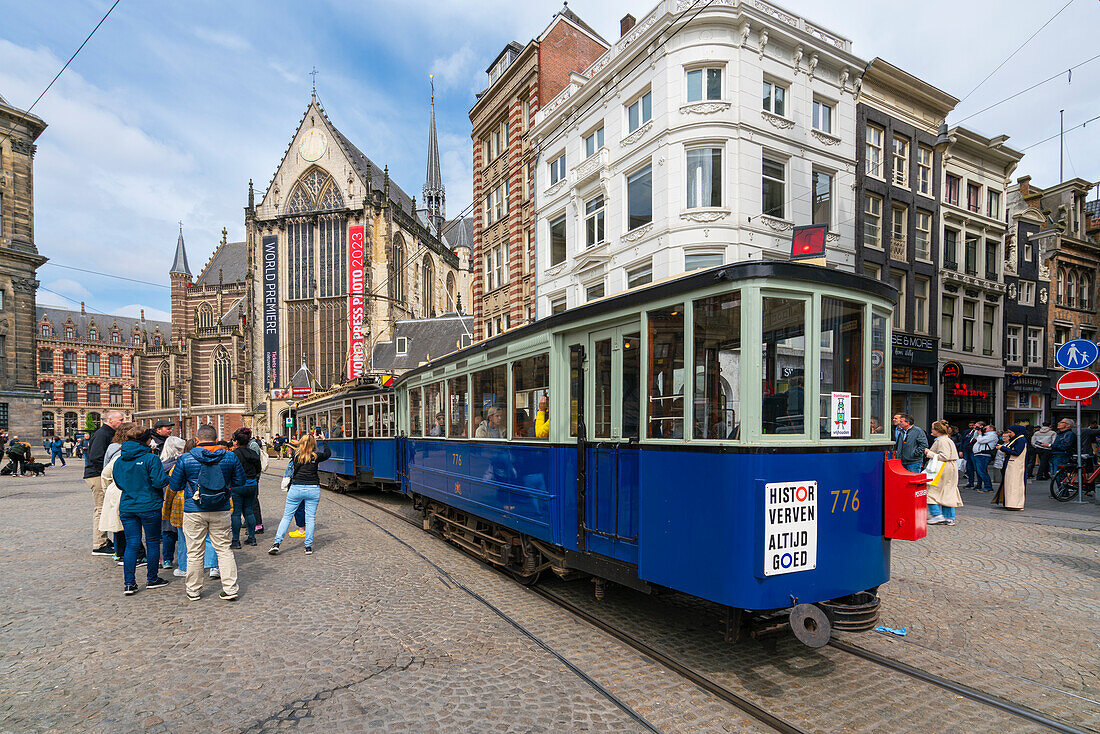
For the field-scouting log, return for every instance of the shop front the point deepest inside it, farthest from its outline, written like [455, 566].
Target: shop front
[1025, 399]
[914, 363]
[1090, 408]
[968, 397]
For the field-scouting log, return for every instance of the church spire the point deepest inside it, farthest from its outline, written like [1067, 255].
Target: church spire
[179, 263]
[434, 195]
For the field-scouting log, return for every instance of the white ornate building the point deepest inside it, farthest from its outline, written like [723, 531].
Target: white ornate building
[685, 146]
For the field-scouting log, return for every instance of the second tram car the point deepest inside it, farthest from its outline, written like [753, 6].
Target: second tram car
[721, 434]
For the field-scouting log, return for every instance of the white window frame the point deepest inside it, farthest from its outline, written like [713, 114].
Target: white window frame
[920, 303]
[927, 231]
[832, 196]
[591, 286]
[1013, 339]
[721, 177]
[557, 169]
[596, 234]
[900, 161]
[718, 256]
[1027, 293]
[783, 164]
[823, 123]
[642, 101]
[626, 199]
[704, 93]
[550, 222]
[899, 311]
[1034, 338]
[873, 151]
[868, 198]
[402, 346]
[924, 172]
[593, 142]
[768, 97]
[637, 272]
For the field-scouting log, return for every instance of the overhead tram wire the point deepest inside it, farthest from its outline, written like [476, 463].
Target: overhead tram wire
[1018, 49]
[63, 68]
[1025, 91]
[107, 275]
[1063, 132]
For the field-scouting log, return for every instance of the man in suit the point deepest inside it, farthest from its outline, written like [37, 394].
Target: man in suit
[911, 443]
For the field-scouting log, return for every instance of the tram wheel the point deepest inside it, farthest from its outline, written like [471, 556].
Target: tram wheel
[811, 625]
[529, 580]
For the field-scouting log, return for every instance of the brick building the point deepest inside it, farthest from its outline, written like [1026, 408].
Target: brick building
[88, 363]
[20, 402]
[521, 80]
[202, 374]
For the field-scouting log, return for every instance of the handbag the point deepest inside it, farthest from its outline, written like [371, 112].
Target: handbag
[999, 460]
[934, 470]
[962, 465]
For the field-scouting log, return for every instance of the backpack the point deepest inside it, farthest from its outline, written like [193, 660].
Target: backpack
[264, 458]
[211, 491]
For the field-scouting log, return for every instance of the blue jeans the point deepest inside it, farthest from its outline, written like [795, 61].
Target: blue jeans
[210, 558]
[135, 523]
[300, 515]
[168, 543]
[55, 455]
[242, 505]
[310, 494]
[913, 466]
[934, 509]
[981, 465]
[970, 470]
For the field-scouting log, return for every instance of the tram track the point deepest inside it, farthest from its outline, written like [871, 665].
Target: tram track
[725, 694]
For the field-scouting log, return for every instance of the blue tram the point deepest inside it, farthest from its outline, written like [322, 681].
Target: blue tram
[636, 439]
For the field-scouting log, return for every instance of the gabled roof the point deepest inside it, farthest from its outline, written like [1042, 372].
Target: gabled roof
[377, 175]
[231, 259]
[427, 339]
[82, 323]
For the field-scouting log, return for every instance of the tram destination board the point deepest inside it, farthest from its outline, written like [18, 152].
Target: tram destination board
[790, 527]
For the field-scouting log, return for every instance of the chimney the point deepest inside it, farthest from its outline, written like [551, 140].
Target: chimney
[82, 312]
[143, 314]
[1025, 185]
[626, 24]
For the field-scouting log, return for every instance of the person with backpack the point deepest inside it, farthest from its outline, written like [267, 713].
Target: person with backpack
[139, 475]
[243, 496]
[302, 484]
[207, 475]
[257, 446]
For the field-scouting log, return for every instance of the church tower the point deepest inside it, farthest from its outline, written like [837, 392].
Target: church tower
[434, 195]
[180, 277]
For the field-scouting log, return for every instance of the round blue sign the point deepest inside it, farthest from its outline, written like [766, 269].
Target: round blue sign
[1077, 354]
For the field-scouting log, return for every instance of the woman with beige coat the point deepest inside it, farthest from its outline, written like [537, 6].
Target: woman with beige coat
[944, 497]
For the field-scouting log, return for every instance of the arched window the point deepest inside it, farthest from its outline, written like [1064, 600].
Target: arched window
[450, 305]
[1061, 295]
[46, 388]
[137, 339]
[45, 329]
[1086, 291]
[156, 340]
[395, 269]
[205, 317]
[93, 333]
[116, 337]
[1071, 289]
[222, 374]
[93, 419]
[163, 395]
[427, 287]
[47, 423]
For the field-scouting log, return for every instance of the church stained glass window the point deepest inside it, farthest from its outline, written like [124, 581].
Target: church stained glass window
[300, 252]
[299, 201]
[222, 377]
[334, 254]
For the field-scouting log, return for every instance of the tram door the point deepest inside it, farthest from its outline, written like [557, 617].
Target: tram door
[607, 516]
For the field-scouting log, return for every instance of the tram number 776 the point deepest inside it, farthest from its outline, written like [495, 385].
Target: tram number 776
[851, 496]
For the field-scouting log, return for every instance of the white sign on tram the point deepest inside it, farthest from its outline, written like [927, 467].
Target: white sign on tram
[790, 527]
[840, 415]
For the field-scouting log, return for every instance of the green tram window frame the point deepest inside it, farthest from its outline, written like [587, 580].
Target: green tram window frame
[751, 399]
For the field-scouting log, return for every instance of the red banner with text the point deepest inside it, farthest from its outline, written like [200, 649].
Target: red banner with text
[357, 356]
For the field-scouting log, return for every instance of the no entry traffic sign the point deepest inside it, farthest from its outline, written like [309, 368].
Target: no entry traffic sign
[1077, 385]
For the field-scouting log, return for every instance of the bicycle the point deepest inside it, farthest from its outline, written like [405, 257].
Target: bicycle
[1063, 484]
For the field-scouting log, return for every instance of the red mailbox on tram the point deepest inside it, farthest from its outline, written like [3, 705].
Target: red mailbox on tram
[906, 502]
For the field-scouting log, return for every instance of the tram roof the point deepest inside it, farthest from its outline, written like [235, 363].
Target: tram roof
[672, 287]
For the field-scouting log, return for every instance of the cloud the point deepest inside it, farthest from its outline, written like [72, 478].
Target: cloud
[458, 70]
[151, 314]
[70, 288]
[225, 39]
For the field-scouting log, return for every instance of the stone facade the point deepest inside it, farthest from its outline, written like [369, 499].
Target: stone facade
[20, 401]
[897, 220]
[203, 373]
[521, 79]
[687, 132]
[323, 190]
[90, 363]
[976, 174]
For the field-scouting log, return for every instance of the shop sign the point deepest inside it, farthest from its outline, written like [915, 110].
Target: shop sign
[1027, 383]
[914, 349]
[951, 371]
[961, 390]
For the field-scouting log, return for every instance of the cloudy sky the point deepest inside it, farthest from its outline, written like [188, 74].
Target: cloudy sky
[173, 106]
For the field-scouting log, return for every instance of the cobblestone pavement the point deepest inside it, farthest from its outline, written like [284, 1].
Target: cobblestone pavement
[365, 635]
[361, 636]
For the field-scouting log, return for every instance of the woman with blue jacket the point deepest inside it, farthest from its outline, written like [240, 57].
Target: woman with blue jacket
[141, 478]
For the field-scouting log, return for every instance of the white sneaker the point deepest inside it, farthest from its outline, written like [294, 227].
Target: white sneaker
[179, 573]
[949, 522]
[932, 520]
[215, 573]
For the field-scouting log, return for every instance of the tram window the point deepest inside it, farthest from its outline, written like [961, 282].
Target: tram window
[458, 411]
[784, 359]
[531, 399]
[576, 365]
[717, 399]
[323, 422]
[311, 423]
[433, 410]
[416, 427]
[601, 385]
[361, 420]
[877, 418]
[665, 373]
[632, 380]
[341, 422]
[842, 368]
[389, 417]
[491, 402]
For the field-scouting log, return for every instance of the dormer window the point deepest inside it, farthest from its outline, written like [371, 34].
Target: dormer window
[116, 337]
[137, 340]
[45, 329]
[93, 334]
[402, 345]
[70, 333]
